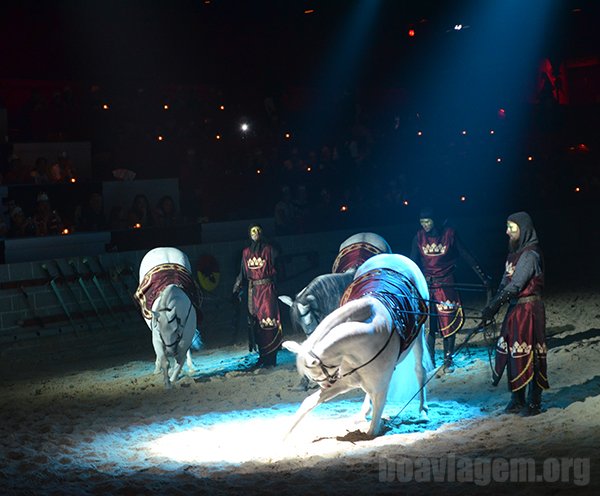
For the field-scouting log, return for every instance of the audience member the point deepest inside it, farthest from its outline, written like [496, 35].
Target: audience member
[46, 220]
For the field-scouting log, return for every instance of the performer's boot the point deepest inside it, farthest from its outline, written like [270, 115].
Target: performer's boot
[431, 345]
[517, 401]
[448, 353]
[534, 401]
[267, 361]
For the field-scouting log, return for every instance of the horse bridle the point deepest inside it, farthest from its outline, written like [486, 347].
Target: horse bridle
[179, 326]
[331, 379]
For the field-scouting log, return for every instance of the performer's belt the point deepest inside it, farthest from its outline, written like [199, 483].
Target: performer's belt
[528, 299]
[258, 282]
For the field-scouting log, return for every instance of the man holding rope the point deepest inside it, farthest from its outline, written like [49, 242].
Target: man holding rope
[521, 347]
[436, 248]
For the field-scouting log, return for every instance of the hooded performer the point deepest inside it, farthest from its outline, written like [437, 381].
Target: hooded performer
[521, 348]
[436, 249]
[258, 268]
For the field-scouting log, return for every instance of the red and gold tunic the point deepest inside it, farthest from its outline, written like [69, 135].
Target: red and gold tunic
[353, 256]
[259, 269]
[438, 261]
[521, 347]
[400, 297]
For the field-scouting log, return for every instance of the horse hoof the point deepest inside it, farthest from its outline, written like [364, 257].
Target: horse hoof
[423, 417]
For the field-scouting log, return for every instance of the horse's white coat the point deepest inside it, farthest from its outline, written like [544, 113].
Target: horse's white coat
[350, 337]
[173, 316]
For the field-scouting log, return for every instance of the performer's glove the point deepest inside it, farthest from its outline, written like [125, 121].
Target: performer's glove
[487, 314]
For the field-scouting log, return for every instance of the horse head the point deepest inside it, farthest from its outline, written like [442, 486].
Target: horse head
[170, 313]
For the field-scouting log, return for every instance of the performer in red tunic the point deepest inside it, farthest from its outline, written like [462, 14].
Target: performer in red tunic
[521, 348]
[258, 268]
[436, 249]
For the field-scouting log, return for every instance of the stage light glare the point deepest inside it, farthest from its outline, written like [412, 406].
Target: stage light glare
[405, 203]
[577, 189]
[218, 137]
[137, 225]
[309, 11]
[65, 231]
[463, 132]
[160, 138]
[105, 106]
[343, 208]
[244, 127]
[492, 131]
[166, 107]
[530, 158]
[73, 180]
[501, 113]
[308, 169]
[288, 135]
[463, 198]
[499, 159]
[411, 33]
[419, 133]
[222, 107]
[458, 27]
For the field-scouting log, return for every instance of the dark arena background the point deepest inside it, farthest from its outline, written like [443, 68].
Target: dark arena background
[129, 125]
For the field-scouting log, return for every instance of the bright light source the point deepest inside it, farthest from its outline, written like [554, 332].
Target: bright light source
[105, 106]
[463, 132]
[65, 231]
[73, 180]
[405, 203]
[457, 27]
[492, 131]
[308, 169]
[160, 138]
[288, 135]
[499, 159]
[166, 107]
[463, 198]
[501, 113]
[137, 225]
[577, 189]
[530, 158]
[218, 137]
[411, 32]
[258, 171]
[419, 133]
[309, 11]
[343, 208]
[244, 127]
[222, 107]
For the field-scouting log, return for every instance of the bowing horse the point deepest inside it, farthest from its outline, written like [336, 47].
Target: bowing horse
[170, 304]
[379, 324]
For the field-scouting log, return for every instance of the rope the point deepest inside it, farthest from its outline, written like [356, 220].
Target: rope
[471, 333]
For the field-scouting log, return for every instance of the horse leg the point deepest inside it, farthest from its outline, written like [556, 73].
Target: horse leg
[321, 396]
[189, 362]
[378, 400]
[162, 362]
[421, 374]
[365, 409]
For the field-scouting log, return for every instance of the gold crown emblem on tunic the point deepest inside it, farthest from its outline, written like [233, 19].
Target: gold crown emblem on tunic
[520, 349]
[446, 306]
[509, 269]
[434, 249]
[256, 263]
[268, 322]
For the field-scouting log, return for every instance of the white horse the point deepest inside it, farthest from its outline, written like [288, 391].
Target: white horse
[359, 344]
[172, 315]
